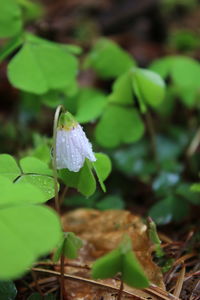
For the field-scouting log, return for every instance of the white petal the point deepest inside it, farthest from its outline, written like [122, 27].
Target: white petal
[81, 142]
[66, 155]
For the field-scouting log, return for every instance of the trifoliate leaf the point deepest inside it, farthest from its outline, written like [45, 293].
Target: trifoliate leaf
[11, 18]
[90, 105]
[19, 233]
[84, 180]
[9, 167]
[108, 265]
[122, 90]
[132, 272]
[34, 165]
[44, 183]
[108, 59]
[149, 88]
[13, 193]
[102, 167]
[121, 260]
[41, 66]
[119, 125]
[68, 247]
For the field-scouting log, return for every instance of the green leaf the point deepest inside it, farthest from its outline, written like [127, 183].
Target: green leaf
[72, 244]
[195, 187]
[22, 235]
[83, 180]
[9, 167]
[44, 183]
[11, 18]
[108, 265]
[10, 47]
[186, 83]
[134, 160]
[41, 66]
[132, 272]
[90, 105]
[15, 194]
[186, 191]
[68, 247]
[108, 59]
[111, 202]
[162, 66]
[8, 290]
[102, 167]
[34, 165]
[119, 125]
[122, 91]
[170, 209]
[149, 88]
[122, 260]
[181, 77]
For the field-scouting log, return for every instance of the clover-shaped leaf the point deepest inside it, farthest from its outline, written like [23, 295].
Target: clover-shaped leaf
[108, 59]
[84, 180]
[90, 104]
[122, 90]
[69, 246]
[31, 170]
[40, 66]
[21, 241]
[11, 18]
[185, 82]
[121, 260]
[9, 167]
[149, 88]
[119, 125]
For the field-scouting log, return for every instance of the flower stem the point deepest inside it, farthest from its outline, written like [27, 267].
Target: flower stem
[55, 173]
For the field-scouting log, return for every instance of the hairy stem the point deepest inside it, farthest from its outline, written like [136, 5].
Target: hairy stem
[55, 173]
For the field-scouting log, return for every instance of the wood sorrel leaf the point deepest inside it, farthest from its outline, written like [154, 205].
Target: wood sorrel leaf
[108, 59]
[41, 66]
[12, 193]
[34, 165]
[84, 180]
[121, 260]
[119, 125]
[102, 167]
[11, 18]
[149, 88]
[33, 171]
[132, 272]
[69, 246]
[90, 104]
[108, 265]
[122, 90]
[44, 183]
[25, 238]
[9, 167]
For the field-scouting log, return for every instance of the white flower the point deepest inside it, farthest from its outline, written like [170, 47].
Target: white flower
[72, 147]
